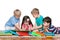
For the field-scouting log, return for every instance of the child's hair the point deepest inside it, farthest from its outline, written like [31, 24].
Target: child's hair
[25, 19]
[47, 19]
[35, 9]
[16, 10]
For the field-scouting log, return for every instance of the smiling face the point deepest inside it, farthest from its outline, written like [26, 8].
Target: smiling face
[35, 13]
[46, 25]
[47, 22]
[26, 22]
[17, 13]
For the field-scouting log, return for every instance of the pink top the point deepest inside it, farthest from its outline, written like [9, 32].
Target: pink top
[27, 27]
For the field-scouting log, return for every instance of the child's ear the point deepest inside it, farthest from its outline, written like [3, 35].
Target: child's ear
[31, 12]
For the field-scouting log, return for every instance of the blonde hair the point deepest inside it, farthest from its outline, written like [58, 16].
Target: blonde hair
[35, 9]
[16, 10]
[15, 14]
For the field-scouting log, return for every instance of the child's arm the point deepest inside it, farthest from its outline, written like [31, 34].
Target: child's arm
[17, 26]
[46, 29]
[23, 28]
[30, 27]
[36, 27]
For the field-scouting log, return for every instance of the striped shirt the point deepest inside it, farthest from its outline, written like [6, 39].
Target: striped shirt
[52, 29]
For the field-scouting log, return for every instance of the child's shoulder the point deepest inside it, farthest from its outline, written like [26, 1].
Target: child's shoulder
[41, 16]
[52, 27]
[12, 18]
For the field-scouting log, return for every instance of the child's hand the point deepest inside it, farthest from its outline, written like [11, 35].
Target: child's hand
[35, 30]
[46, 30]
[17, 29]
[31, 29]
[23, 29]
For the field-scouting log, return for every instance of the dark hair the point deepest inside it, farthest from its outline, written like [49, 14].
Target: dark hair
[25, 19]
[47, 19]
[35, 9]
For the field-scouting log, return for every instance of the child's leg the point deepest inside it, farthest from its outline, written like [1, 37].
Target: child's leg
[14, 32]
[7, 28]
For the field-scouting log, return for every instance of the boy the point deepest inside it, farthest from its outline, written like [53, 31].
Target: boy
[48, 27]
[38, 19]
[13, 22]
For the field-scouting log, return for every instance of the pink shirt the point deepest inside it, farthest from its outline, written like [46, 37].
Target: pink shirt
[26, 27]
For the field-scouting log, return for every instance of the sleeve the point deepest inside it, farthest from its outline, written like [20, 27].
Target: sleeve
[41, 21]
[13, 21]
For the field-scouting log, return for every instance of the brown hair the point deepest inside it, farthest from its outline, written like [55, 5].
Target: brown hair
[47, 19]
[35, 9]
[16, 10]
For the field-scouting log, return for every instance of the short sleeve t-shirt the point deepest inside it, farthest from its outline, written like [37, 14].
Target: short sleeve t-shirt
[39, 20]
[52, 29]
[12, 21]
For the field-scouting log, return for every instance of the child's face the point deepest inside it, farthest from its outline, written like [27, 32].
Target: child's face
[35, 14]
[26, 22]
[46, 24]
[17, 14]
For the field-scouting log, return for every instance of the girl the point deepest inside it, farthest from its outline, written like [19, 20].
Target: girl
[26, 23]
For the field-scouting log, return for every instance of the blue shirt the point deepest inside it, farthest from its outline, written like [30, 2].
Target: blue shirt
[51, 29]
[39, 20]
[12, 21]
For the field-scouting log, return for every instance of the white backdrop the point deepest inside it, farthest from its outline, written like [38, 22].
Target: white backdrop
[47, 8]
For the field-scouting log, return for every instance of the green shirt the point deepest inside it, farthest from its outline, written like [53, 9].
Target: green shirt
[39, 20]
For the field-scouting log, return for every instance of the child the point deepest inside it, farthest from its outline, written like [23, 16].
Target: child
[38, 19]
[48, 27]
[26, 23]
[13, 22]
